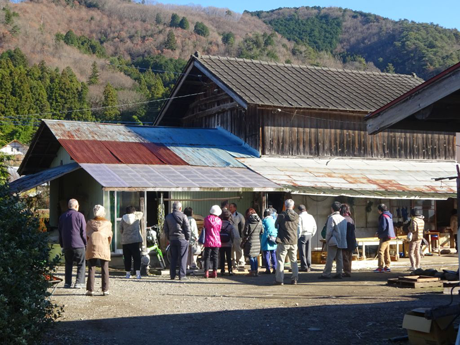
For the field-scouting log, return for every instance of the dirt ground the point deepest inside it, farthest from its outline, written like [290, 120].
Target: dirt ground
[238, 309]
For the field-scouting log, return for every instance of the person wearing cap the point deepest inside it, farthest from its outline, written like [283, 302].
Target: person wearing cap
[212, 243]
[177, 231]
[416, 228]
[306, 231]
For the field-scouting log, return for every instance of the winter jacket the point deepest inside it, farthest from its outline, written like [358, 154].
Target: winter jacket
[193, 230]
[287, 223]
[252, 232]
[212, 226]
[386, 230]
[416, 227]
[72, 230]
[336, 231]
[130, 228]
[238, 223]
[307, 224]
[99, 234]
[351, 234]
[269, 230]
[228, 228]
[177, 226]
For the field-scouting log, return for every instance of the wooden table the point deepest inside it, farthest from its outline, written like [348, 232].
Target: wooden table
[374, 241]
[429, 234]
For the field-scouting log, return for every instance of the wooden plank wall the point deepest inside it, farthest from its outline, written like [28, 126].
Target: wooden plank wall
[310, 133]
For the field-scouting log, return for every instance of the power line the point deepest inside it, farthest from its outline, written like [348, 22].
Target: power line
[109, 106]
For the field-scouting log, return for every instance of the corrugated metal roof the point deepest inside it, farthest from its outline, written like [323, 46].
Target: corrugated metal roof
[358, 177]
[112, 144]
[34, 180]
[165, 177]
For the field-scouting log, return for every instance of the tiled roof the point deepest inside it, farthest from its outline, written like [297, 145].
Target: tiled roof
[287, 85]
[388, 179]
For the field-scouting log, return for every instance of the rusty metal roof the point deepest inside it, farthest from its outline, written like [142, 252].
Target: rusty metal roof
[383, 179]
[167, 177]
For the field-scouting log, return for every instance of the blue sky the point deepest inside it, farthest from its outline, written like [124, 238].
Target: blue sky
[442, 12]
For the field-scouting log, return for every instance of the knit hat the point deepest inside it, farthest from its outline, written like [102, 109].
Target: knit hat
[216, 210]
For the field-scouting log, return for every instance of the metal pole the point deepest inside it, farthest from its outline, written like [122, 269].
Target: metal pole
[457, 342]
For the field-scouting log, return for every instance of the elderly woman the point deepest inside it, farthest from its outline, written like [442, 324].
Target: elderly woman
[99, 236]
[131, 239]
[252, 231]
[212, 243]
[194, 246]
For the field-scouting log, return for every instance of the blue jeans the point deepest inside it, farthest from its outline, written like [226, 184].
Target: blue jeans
[254, 263]
[270, 255]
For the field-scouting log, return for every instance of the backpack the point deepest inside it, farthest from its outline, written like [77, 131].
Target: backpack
[225, 235]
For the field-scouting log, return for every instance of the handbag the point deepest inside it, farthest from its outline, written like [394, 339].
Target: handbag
[272, 239]
[196, 249]
[245, 240]
[202, 236]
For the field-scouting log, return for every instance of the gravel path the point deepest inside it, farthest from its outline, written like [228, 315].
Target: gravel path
[238, 309]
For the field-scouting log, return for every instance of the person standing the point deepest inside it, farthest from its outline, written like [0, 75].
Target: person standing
[336, 241]
[252, 231]
[268, 241]
[99, 234]
[454, 227]
[273, 211]
[212, 243]
[193, 242]
[72, 238]
[351, 240]
[238, 224]
[307, 229]
[385, 233]
[287, 223]
[177, 231]
[131, 240]
[226, 238]
[417, 225]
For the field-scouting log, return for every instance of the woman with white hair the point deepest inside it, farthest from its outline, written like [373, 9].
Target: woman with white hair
[212, 243]
[99, 236]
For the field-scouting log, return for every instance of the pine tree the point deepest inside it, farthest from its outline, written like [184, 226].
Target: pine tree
[184, 24]
[111, 112]
[175, 20]
[158, 19]
[94, 77]
[171, 41]
[201, 29]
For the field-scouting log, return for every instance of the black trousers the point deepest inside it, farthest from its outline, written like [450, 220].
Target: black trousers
[304, 245]
[76, 255]
[132, 252]
[179, 253]
[225, 252]
[211, 254]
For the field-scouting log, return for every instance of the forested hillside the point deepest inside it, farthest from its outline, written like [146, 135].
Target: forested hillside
[393, 46]
[117, 60]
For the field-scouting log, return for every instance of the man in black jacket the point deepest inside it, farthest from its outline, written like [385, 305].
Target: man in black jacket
[177, 231]
[287, 223]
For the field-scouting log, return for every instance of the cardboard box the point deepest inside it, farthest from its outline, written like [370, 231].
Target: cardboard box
[422, 331]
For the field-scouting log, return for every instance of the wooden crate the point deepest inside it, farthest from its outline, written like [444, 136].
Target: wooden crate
[415, 282]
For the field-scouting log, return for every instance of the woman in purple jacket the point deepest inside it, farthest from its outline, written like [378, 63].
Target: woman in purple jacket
[212, 243]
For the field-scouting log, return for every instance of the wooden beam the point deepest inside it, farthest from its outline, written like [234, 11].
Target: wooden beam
[414, 104]
[213, 98]
[429, 126]
[212, 111]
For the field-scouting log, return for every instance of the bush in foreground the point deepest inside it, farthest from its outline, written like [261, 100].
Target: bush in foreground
[25, 310]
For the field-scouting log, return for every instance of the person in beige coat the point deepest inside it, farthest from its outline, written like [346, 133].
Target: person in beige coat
[99, 236]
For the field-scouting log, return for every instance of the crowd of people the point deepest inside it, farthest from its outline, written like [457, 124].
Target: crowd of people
[227, 239]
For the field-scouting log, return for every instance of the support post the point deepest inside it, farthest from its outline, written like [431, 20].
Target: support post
[457, 342]
[142, 208]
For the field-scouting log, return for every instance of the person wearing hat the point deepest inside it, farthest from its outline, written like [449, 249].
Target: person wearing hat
[306, 231]
[415, 236]
[212, 243]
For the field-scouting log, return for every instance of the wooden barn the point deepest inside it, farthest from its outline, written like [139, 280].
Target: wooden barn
[308, 125]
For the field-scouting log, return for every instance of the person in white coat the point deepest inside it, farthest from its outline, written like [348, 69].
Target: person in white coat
[336, 240]
[306, 231]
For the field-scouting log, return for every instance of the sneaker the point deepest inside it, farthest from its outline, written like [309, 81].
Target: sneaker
[294, 282]
[128, 275]
[278, 283]
[79, 286]
[412, 269]
[105, 293]
[138, 276]
[67, 286]
[89, 293]
[387, 269]
[378, 270]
